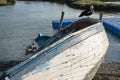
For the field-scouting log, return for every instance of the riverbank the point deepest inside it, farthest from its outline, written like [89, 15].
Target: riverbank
[7, 65]
[108, 71]
[3, 2]
[99, 5]
[7, 2]
[83, 4]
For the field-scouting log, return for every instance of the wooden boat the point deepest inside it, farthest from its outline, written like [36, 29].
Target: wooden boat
[74, 53]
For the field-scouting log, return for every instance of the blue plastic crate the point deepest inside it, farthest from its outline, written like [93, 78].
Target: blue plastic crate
[112, 24]
[65, 23]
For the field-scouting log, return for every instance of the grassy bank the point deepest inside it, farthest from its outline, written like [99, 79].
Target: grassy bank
[3, 2]
[7, 2]
[83, 4]
[99, 5]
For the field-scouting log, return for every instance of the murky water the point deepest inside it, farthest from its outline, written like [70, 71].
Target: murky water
[113, 53]
[20, 24]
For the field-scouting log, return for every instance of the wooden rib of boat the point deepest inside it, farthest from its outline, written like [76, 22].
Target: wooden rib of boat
[74, 53]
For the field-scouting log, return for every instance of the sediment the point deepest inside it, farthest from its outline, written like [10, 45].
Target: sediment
[108, 71]
[5, 65]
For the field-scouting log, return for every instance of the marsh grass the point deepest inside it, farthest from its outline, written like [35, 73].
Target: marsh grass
[99, 5]
[3, 2]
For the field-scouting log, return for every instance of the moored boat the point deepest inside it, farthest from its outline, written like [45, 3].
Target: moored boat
[74, 53]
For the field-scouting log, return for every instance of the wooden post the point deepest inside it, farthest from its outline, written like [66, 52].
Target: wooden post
[101, 16]
[60, 24]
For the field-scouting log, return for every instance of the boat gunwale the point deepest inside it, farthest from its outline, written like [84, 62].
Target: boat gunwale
[69, 29]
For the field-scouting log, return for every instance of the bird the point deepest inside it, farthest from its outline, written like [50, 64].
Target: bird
[87, 12]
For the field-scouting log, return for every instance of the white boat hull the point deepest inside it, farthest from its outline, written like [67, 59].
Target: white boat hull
[74, 57]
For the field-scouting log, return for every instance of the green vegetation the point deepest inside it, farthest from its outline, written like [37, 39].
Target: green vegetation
[83, 4]
[7, 2]
[99, 5]
[88, 2]
[109, 0]
[3, 2]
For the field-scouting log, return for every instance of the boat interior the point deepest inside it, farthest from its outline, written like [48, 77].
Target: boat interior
[76, 26]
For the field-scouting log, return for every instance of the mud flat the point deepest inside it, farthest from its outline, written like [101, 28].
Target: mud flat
[108, 71]
[7, 65]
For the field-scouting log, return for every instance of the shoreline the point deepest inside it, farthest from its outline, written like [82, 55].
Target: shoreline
[99, 5]
[108, 71]
[7, 2]
[76, 4]
[3, 2]
[5, 65]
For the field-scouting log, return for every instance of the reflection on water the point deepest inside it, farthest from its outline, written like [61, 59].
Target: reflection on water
[20, 24]
[112, 2]
[113, 54]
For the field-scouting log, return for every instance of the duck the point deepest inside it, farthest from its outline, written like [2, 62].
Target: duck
[87, 12]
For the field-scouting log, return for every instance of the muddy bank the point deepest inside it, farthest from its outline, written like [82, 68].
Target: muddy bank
[7, 65]
[108, 71]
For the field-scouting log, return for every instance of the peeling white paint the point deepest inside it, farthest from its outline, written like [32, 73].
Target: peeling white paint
[71, 58]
